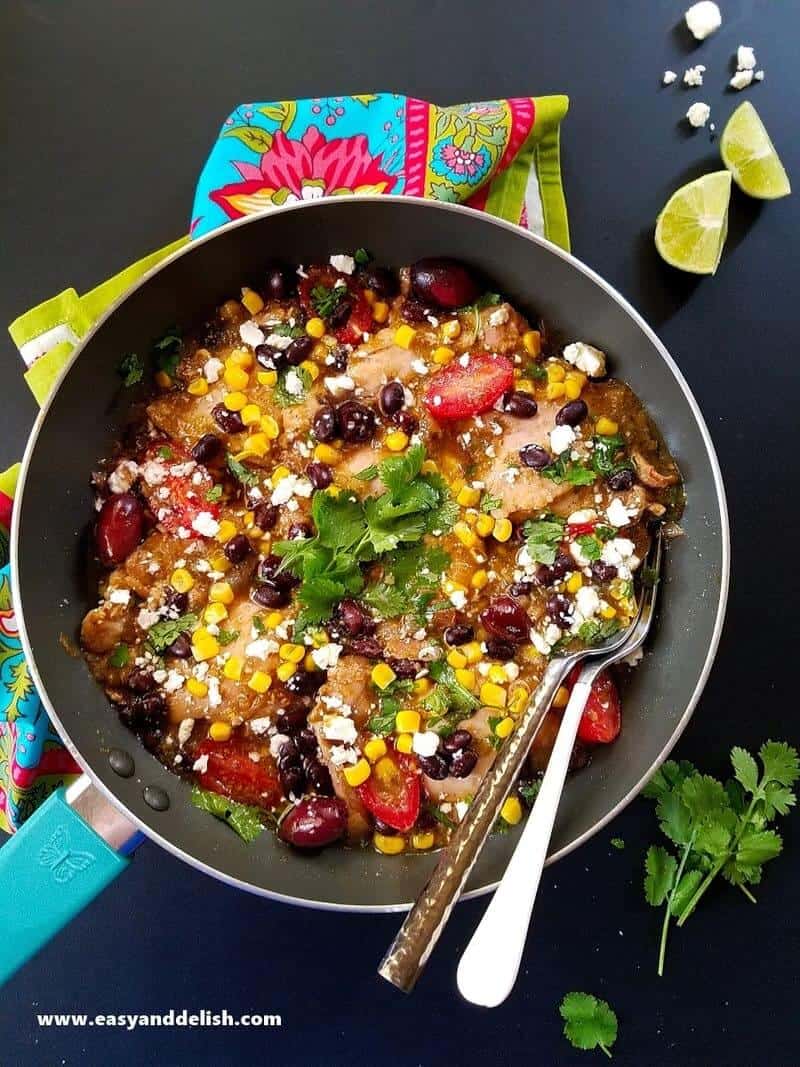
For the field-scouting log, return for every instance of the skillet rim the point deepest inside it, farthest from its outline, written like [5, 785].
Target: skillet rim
[329, 203]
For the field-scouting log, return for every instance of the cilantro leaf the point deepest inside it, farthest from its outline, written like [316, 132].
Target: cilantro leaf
[325, 300]
[595, 631]
[745, 769]
[284, 329]
[242, 473]
[437, 814]
[588, 1022]
[362, 257]
[161, 634]
[607, 455]
[684, 891]
[490, 503]
[660, 869]
[447, 699]
[757, 847]
[542, 537]
[243, 818]
[590, 546]
[617, 842]
[227, 637]
[411, 579]
[131, 369]
[214, 494]
[167, 351]
[389, 703]
[529, 791]
[669, 775]
[282, 396]
[780, 762]
[564, 470]
[120, 656]
[165, 452]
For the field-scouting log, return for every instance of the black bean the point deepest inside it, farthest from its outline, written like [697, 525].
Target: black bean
[291, 721]
[434, 767]
[542, 576]
[306, 742]
[146, 710]
[265, 515]
[621, 481]
[535, 456]
[405, 668]
[228, 421]
[458, 634]
[180, 647]
[457, 740]
[293, 780]
[496, 648]
[603, 572]
[444, 282]
[384, 828]
[414, 311]
[175, 600]
[392, 398]
[353, 617]
[141, 681]
[339, 358]
[520, 404]
[572, 413]
[306, 683]
[562, 566]
[463, 762]
[357, 422]
[406, 422]
[299, 350]
[520, 588]
[340, 314]
[326, 424]
[300, 529]
[288, 753]
[238, 548]
[559, 609]
[320, 475]
[268, 595]
[319, 778]
[270, 358]
[382, 281]
[207, 448]
[281, 280]
[369, 647]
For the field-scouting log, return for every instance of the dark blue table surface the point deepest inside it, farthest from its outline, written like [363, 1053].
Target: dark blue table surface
[108, 112]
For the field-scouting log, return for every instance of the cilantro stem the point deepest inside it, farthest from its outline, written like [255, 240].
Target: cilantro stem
[668, 911]
[603, 1047]
[747, 893]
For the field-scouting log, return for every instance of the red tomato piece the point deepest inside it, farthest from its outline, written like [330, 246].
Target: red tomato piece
[457, 392]
[359, 323]
[232, 773]
[185, 498]
[578, 529]
[600, 724]
[392, 791]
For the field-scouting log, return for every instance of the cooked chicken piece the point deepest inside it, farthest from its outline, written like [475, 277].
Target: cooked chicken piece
[299, 418]
[148, 568]
[455, 789]
[396, 637]
[650, 475]
[501, 329]
[104, 627]
[383, 361]
[350, 681]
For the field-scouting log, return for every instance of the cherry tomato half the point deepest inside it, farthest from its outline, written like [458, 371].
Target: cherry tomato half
[391, 793]
[600, 724]
[457, 391]
[232, 773]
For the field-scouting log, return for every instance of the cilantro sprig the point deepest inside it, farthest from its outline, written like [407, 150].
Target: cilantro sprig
[167, 351]
[131, 369]
[571, 472]
[449, 701]
[410, 581]
[162, 634]
[326, 299]
[241, 472]
[717, 828]
[389, 703]
[608, 455]
[243, 818]
[542, 537]
[588, 1022]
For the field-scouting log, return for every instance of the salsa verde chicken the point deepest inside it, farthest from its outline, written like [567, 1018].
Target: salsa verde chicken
[358, 513]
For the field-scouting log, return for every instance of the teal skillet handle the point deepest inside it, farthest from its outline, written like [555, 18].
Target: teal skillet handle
[49, 871]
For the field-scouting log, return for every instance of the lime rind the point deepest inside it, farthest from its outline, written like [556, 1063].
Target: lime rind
[750, 156]
[691, 229]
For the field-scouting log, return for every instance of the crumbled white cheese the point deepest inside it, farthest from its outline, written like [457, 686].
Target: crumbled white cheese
[261, 648]
[214, 695]
[185, 731]
[341, 755]
[542, 646]
[703, 19]
[119, 596]
[561, 438]
[669, 77]
[251, 334]
[123, 477]
[339, 728]
[293, 383]
[338, 384]
[461, 808]
[587, 601]
[425, 744]
[327, 656]
[499, 317]
[281, 341]
[154, 472]
[759, 75]
[276, 742]
[512, 671]
[212, 369]
[201, 764]
[420, 367]
[344, 264]
[578, 556]
[586, 358]
[552, 633]
[147, 618]
[617, 513]
[584, 515]
[205, 524]
[745, 57]
[290, 486]
[741, 79]
[458, 598]
[260, 726]
[698, 114]
[693, 76]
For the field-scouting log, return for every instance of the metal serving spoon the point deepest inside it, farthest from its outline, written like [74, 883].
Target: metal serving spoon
[489, 965]
[417, 937]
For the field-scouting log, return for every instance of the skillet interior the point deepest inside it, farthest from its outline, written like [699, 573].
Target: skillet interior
[83, 418]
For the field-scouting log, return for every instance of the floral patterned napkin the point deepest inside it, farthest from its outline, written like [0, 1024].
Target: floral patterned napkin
[499, 156]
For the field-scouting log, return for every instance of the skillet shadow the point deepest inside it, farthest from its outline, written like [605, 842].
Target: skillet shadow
[661, 290]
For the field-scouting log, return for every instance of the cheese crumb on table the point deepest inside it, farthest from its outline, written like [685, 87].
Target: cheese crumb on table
[669, 77]
[741, 79]
[745, 57]
[693, 76]
[703, 19]
[698, 114]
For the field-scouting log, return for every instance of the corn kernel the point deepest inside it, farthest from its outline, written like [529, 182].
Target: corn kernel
[396, 441]
[404, 743]
[532, 340]
[422, 841]
[215, 614]
[219, 562]
[421, 687]
[493, 696]
[380, 311]
[389, 844]
[233, 668]
[484, 525]
[578, 376]
[382, 675]
[240, 357]
[358, 773]
[196, 688]
[219, 731]
[273, 619]
[442, 355]
[555, 390]
[252, 301]
[250, 414]
[404, 335]
[472, 650]
[181, 580]
[572, 389]
[574, 582]
[430, 466]
[525, 385]
[606, 427]
[497, 674]
[502, 530]
[456, 659]
[456, 485]
[370, 296]
[466, 676]
[279, 474]
[259, 682]
[467, 537]
[325, 454]
[204, 644]
[468, 497]
[291, 653]
[225, 532]
[505, 727]
[561, 699]
[479, 580]
[234, 401]
[257, 444]
[163, 380]
[285, 671]
[269, 426]
[607, 612]
[518, 700]
[315, 328]
[236, 378]
[451, 330]
[555, 372]
[267, 377]
[407, 722]
[220, 593]
[199, 387]
[333, 490]
[374, 749]
[511, 811]
[308, 662]
[451, 587]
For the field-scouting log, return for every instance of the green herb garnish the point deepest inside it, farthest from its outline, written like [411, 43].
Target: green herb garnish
[588, 1022]
[449, 701]
[529, 791]
[243, 818]
[390, 703]
[325, 300]
[618, 843]
[242, 473]
[534, 371]
[167, 351]
[493, 739]
[283, 329]
[283, 398]
[573, 472]
[165, 452]
[590, 546]
[120, 656]
[131, 369]
[595, 631]
[437, 814]
[411, 579]
[227, 637]
[362, 257]
[214, 494]
[608, 455]
[490, 503]
[162, 634]
[543, 537]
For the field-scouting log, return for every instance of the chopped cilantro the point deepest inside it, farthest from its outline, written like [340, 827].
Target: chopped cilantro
[607, 455]
[617, 843]
[227, 637]
[390, 703]
[167, 351]
[131, 369]
[259, 625]
[325, 300]
[240, 471]
[120, 656]
[163, 633]
[285, 399]
[449, 701]
[165, 452]
[573, 472]
[362, 257]
[283, 329]
[534, 371]
[214, 494]
[595, 631]
[489, 503]
[543, 537]
[588, 1022]
[437, 814]
[493, 739]
[410, 581]
[243, 818]
[529, 791]
[590, 546]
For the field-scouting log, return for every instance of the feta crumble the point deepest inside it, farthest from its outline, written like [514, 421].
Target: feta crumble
[499, 317]
[561, 438]
[425, 744]
[741, 79]
[669, 77]
[327, 656]
[293, 383]
[212, 369]
[617, 513]
[745, 57]
[703, 19]
[344, 264]
[693, 76]
[586, 358]
[119, 596]
[698, 114]
[123, 477]
[338, 384]
[205, 524]
[339, 728]
[251, 334]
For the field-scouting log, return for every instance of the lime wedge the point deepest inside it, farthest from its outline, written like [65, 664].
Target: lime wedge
[692, 228]
[750, 156]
